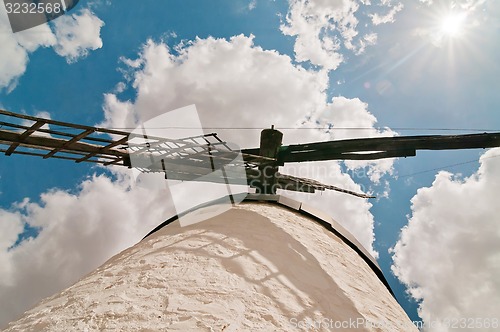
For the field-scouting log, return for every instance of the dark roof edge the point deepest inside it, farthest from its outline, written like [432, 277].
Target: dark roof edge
[319, 216]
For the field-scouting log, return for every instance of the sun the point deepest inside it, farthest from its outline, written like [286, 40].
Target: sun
[452, 25]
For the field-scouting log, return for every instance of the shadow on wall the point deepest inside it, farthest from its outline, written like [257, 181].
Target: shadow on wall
[269, 261]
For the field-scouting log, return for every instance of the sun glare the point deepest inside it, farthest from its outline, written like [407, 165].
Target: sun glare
[453, 24]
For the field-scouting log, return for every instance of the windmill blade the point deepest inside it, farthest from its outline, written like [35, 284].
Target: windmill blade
[206, 157]
[289, 182]
[35, 136]
[185, 159]
[294, 183]
[381, 147]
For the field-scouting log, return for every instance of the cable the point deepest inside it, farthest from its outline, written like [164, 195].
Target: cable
[317, 128]
[446, 166]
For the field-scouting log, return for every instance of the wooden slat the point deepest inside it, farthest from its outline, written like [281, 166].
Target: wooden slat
[174, 172]
[182, 164]
[68, 143]
[105, 150]
[328, 155]
[257, 159]
[24, 135]
[289, 180]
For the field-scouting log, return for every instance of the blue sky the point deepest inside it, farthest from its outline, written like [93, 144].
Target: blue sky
[414, 77]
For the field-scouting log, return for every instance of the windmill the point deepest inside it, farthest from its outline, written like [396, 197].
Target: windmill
[270, 265]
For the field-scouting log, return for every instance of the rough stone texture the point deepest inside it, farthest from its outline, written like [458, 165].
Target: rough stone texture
[257, 267]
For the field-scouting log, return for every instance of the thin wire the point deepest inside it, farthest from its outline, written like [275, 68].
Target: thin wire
[316, 128]
[446, 166]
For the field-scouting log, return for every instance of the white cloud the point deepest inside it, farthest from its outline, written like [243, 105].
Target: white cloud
[74, 36]
[323, 27]
[11, 225]
[118, 114]
[16, 47]
[252, 5]
[241, 85]
[120, 87]
[387, 18]
[78, 233]
[77, 34]
[352, 212]
[353, 113]
[316, 37]
[32, 39]
[13, 61]
[42, 114]
[449, 253]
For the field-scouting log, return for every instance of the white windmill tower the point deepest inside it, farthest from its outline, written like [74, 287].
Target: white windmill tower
[269, 263]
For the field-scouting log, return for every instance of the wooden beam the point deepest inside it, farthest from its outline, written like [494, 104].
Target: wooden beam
[35, 154]
[330, 155]
[385, 147]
